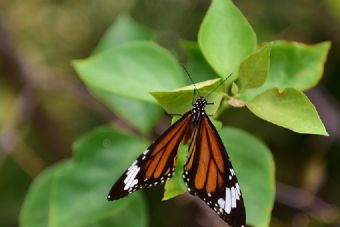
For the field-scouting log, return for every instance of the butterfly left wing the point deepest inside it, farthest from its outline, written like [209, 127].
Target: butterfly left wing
[209, 174]
[156, 164]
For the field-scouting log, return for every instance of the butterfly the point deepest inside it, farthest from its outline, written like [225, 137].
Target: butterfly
[208, 172]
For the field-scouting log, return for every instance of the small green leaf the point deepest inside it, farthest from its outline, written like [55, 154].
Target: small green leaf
[225, 37]
[290, 109]
[123, 30]
[196, 65]
[234, 89]
[254, 69]
[293, 65]
[175, 185]
[132, 70]
[179, 101]
[35, 209]
[80, 190]
[254, 167]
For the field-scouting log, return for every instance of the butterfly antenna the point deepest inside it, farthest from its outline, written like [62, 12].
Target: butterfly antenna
[221, 82]
[192, 81]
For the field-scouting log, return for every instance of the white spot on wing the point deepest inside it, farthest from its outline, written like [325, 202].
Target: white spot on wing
[237, 195]
[233, 197]
[221, 202]
[232, 172]
[131, 174]
[227, 205]
[131, 169]
[238, 189]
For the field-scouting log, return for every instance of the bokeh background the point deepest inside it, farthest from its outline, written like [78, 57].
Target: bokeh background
[44, 107]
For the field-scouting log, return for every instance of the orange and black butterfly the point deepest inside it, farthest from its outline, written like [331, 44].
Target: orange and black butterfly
[208, 172]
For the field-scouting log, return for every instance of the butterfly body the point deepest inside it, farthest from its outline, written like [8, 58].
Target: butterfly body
[198, 110]
[208, 172]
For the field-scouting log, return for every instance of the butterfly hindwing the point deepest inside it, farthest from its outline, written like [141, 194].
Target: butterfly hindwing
[155, 164]
[209, 174]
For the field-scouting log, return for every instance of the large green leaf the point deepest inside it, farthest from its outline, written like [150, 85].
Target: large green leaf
[74, 193]
[80, 190]
[254, 166]
[254, 69]
[293, 65]
[35, 209]
[122, 31]
[289, 108]
[180, 100]
[132, 70]
[225, 37]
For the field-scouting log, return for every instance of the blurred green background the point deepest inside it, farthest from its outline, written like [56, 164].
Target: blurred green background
[44, 107]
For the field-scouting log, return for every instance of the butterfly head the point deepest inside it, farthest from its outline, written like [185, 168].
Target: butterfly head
[201, 102]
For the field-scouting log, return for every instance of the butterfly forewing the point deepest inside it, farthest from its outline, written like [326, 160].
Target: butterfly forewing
[209, 174]
[155, 164]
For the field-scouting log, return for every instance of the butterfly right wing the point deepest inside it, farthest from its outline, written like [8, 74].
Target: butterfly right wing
[209, 174]
[156, 164]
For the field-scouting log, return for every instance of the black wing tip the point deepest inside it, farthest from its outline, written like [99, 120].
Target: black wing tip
[115, 195]
[110, 197]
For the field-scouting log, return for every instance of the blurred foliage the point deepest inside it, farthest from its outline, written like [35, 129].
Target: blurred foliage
[61, 192]
[47, 35]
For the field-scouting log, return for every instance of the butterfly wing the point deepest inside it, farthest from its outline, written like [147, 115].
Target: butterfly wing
[155, 164]
[209, 174]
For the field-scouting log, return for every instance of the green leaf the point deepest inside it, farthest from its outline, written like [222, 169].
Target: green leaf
[289, 108]
[79, 188]
[297, 65]
[225, 37]
[179, 101]
[123, 30]
[35, 209]
[142, 115]
[175, 185]
[293, 65]
[254, 167]
[132, 70]
[100, 158]
[196, 65]
[254, 69]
